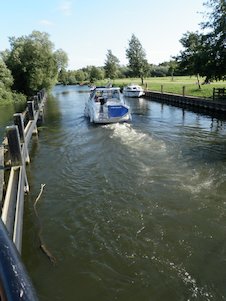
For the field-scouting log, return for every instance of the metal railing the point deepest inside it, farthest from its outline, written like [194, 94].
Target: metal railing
[15, 284]
[16, 145]
[14, 280]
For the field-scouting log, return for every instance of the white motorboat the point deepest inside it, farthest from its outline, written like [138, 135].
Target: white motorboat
[106, 105]
[133, 90]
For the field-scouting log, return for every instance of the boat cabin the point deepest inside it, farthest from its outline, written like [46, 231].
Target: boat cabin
[104, 94]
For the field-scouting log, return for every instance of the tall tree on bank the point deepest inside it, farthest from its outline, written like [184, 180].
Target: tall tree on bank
[191, 58]
[111, 66]
[205, 53]
[215, 40]
[136, 55]
[32, 62]
[61, 59]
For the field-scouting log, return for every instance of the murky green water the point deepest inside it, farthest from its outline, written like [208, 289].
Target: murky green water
[130, 211]
[6, 116]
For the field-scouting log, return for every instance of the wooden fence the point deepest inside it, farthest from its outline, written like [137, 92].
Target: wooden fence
[219, 94]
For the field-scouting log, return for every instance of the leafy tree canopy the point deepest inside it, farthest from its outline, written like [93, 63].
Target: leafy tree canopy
[137, 58]
[33, 63]
[6, 79]
[96, 73]
[111, 65]
[205, 53]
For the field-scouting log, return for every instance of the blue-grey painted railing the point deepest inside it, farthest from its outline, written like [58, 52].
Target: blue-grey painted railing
[15, 284]
[18, 137]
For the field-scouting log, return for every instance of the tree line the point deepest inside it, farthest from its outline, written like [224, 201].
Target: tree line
[203, 54]
[138, 67]
[32, 64]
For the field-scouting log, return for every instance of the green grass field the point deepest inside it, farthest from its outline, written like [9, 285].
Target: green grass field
[174, 86]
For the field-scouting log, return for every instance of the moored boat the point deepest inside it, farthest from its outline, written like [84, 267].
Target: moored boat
[133, 90]
[106, 105]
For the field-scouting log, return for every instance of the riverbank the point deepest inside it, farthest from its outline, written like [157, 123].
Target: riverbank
[174, 85]
[192, 102]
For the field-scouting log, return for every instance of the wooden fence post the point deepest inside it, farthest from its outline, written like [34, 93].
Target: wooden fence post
[161, 88]
[13, 138]
[183, 90]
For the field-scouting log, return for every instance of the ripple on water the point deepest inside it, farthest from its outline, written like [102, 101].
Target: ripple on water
[130, 210]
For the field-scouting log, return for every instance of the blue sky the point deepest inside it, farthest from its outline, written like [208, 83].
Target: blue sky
[86, 29]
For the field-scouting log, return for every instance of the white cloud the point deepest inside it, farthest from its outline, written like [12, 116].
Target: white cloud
[65, 8]
[46, 22]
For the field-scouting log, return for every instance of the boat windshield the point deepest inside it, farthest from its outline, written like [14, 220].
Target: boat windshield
[106, 94]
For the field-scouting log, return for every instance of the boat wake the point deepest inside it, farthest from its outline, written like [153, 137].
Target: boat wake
[134, 139]
[196, 291]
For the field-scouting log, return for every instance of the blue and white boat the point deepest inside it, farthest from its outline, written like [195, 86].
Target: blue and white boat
[106, 105]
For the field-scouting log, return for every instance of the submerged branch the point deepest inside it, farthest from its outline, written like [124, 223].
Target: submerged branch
[41, 241]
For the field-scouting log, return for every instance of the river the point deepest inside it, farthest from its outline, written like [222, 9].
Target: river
[133, 211]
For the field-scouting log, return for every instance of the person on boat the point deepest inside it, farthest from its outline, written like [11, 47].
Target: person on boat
[102, 102]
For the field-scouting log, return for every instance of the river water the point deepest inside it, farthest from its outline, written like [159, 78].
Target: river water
[133, 211]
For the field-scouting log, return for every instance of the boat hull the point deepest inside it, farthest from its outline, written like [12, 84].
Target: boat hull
[133, 91]
[134, 94]
[111, 114]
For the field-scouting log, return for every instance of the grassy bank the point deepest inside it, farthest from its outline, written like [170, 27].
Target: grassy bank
[174, 85]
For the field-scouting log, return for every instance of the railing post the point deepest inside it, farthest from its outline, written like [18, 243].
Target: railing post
[39, 95]
[183, 91]
[161, 88]
[18, 120]
[36, 105]
[1, 174]
[15, 284]
[30, 105]
[31, 114]
[13, 138]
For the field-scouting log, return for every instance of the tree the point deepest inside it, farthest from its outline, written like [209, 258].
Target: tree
[215, 40]
[61, 59]
[80, 76]
[6, 82]
[137, 58]
[96, 73]
[63, 76]
[6, 79]
[111, 65]
[172, 68]
[32, 62]
[205, 53]
[192, 57]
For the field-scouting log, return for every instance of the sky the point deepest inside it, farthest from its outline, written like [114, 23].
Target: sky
[87, 29]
